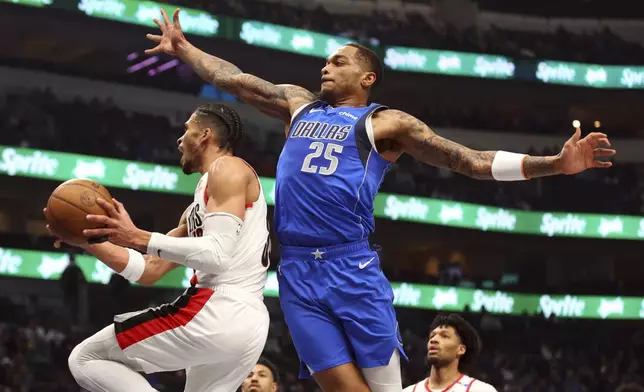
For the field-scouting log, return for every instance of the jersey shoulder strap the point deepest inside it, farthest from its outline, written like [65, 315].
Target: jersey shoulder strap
[301, 111]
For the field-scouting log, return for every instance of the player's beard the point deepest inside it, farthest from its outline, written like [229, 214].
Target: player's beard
[186, 165]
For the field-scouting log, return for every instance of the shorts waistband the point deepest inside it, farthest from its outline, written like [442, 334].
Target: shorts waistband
[235, 292]
[322, 253]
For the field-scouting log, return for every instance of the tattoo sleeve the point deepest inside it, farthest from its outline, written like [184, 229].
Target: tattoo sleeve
[275, 100]
[418, 140]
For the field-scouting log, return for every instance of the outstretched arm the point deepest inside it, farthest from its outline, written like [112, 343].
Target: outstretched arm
[277, 101]
[213, 252]
[417, 139]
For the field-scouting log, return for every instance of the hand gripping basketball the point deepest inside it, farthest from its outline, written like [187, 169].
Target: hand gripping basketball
[119, 229]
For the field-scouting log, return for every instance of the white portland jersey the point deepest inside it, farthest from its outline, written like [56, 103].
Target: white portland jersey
[251, 257]
[462, 384]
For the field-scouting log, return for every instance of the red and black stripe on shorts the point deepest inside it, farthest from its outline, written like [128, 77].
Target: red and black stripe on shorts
[162, 318]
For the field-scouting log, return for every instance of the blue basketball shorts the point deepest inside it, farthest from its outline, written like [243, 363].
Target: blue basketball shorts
[338, 306]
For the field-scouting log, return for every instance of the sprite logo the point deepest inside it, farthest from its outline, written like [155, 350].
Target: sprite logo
[409, 59]
[95, 169]
[444, 298]
[449, 62]
[302, 42]
[407, 295]
[200, 22]
[265, 34]
[568, 306]
[332, 44]
[570, 224]
[9, 263]
[610, 306]
[36, 163]
[640, 233]
[103, 7]
[610, 226]
[101, 273]
[412, 209]
[499, 220]
[52, 266]
[158, 178]
[494, 66]
[499, 302]
[450, 213]
[632, 78]
[596, 76]
[557, 72]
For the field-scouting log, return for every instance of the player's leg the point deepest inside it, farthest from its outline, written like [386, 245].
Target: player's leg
[343, 378]
[318, 337]
[99, 365]
[365, 307]
[234, 365]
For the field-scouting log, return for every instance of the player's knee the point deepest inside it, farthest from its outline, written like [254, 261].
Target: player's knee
[74, 361]
[385, 378]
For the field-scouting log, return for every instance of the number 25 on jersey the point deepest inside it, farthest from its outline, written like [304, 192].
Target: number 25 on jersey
[319, 149]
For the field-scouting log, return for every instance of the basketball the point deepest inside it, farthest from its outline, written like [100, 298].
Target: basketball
[72, 201]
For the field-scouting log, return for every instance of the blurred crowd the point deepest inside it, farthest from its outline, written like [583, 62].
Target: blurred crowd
[415, 30]
[39, 119]
[520, 354]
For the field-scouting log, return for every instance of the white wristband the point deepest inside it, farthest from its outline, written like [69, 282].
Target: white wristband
[508, 166]
[135, 266]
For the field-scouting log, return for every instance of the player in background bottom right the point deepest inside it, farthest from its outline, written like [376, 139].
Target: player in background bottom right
[453, 345]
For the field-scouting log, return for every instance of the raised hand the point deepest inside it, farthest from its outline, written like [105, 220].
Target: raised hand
[172, 35]
[579, 154]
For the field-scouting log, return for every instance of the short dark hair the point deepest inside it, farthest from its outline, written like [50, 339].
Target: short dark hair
[271, 366]
[372, 60]
[468, 334]
[226, 121]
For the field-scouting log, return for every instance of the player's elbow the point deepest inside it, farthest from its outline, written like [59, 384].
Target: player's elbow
[215, 255]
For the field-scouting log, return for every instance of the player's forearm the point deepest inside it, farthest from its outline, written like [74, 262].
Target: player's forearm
[116, 257]
[211, 253]
[480, 165]
[212, 69]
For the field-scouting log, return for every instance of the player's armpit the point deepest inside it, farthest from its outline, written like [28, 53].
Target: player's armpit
[417, 139]
[275, 100]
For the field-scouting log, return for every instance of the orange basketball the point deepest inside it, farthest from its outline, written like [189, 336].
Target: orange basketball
[71, 202]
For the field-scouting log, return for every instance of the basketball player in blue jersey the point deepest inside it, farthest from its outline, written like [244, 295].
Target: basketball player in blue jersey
[336, 301]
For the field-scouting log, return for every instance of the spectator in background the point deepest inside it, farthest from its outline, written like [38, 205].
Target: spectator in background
[263, 378]
[73, 283]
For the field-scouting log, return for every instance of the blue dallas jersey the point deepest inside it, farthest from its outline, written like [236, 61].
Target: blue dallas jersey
[328, 175]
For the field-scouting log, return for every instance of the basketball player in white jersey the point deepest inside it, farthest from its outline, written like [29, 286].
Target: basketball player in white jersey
[453, 345]
[218, 328]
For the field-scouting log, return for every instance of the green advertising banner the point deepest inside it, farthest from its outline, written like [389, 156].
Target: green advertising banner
[159, 178]
[590, 75]
[289, 39]
[143, 12]
[31, 3]
[449, 63]
[321, 45]
[50, 265]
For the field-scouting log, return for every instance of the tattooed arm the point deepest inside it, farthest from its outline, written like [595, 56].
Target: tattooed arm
[417, 139]
[277, 101]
